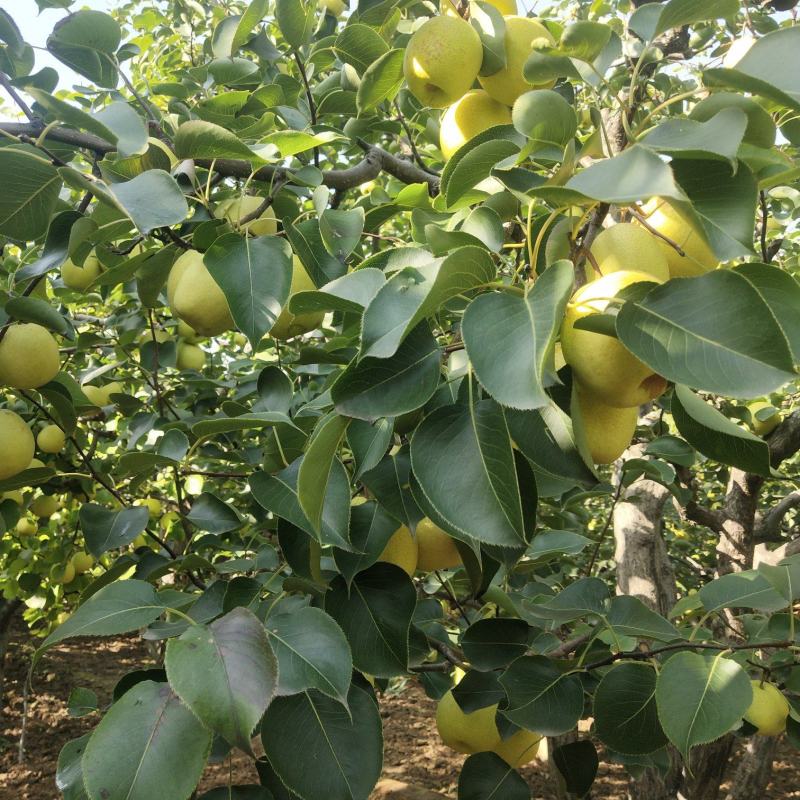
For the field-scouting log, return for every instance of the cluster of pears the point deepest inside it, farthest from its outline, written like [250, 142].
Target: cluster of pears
[196, 298]
[427, 549]
[610, 383]
[443, 60]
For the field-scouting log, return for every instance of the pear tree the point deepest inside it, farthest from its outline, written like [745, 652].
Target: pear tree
[348, 347]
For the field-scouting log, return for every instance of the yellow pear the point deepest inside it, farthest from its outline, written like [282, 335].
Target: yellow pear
[101, 395]
[763, 427]
[80, 277]
[187, 332]
[605, 430]
[190, 356]
[442, 60]
[161, 336]
[335, 7]
[667, 220]
[26, 526]
[288, 325]
[469, 116]
[600, 363]
[15, 496]
[505, 7]
[36, 464]
[82, 562]
[628, 247]
[477, 732]
[153, 505]
[195, 297]
[51, 439]
[401, 549]
[67, 575]
[769, 709]
[522, 34]
[45, 505]
[235, 209]
[436, 549]
[28, 356]
[16, 444]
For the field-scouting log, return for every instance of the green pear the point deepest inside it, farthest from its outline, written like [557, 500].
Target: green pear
[769, 709]
[401, 550]
[234, 209]
[442, 60]
[289, 325]
[469, 116]
[51, 439]
[763, 427]
[600, 363]
[195, 297]
[627, 247]
[604, 430]
[190, 356]
[28, 356]
[16, 444]
[522, 36]
[436, 548]
[80, 277]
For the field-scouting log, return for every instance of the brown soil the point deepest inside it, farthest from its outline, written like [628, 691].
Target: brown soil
[413, 752]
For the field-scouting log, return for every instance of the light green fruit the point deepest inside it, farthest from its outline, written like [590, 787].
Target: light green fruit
[82, 562]
[80, 277]
[16, 444]
[187, 333]
[51, 439]
[436, 549]
[769, 709]
[522, 36]
[505, 7]
[335, 7]
[45, 505]
[606, 431]
[190, 356]
[600, 363]
[401, 550]
[66, 575]
[195, 297]
[628, 247]
[763, 427]
[101, 395]
[477, 732]
[698, 257]
[289, 325]
[26, 526]
[469, 116]
[235, 209]
[15, 496]
[442, 60]
[161, 336]
[28, 356]
[153, 505]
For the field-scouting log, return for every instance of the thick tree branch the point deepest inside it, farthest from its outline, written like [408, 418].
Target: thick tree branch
[375, 161]
[768, 524]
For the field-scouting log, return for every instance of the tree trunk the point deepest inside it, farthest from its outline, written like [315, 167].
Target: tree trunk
[8, 610]
[754, 770]
[644, 571]
[708, 764]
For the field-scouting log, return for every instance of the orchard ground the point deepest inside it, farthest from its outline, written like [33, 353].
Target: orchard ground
[413, 753]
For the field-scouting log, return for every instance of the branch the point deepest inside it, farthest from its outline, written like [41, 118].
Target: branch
[312, 106]
[768, 525]
[375, 161]
[14, 95]
[785, 439]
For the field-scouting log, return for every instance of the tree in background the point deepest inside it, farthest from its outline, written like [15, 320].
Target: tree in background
[342, 345]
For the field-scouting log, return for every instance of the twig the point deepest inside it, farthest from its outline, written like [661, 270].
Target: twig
[156, 387]
[24, 726]
[643, 220]
[604, 531]
[312, 107]
[265, 204]
[451, 595]
[168, 233]
[762, 199]
[5, 82]
[452, 654]
[417, 157]
[209, 474]
[146, 107]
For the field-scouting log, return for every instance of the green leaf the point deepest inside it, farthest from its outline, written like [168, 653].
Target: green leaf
[713, 332]
[307, 244]
[199, 139]
[255, 276]
[278, 494]
[770, 68]
[117, 608]
[414, 293]
[540, 697]
[677, 13]
[494, 643]
[341, 230]
[516, 376]
[481, 498]
[151, 200]
[351, 292]
[312, 653]
[225, 673]
[720, 137]
[369, 442]
[490, 25]
[244, 422]
[475, 165]
[32, 309]
[346, 749]
[748, 589]
[625, 713]
[360, 46]
[210, 513]
[222, 38]
[316, 466]
[375, 613]
[388, 387]
[105, 530]
[31, 187]
[784, 576]
[581, 598]
[381, 81]
[127, 127]
[545, 117]
[254, 13]
[585, 40]
[781, 292]
[485, 776]
[86, 42]
[133, 752]
[629, 616]
[717, 437]
[56, 246]
[577, 762]
[81, 702]
[548, 544]
[72, 115]
[700, 698]
[69, 772]
[296, 20]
